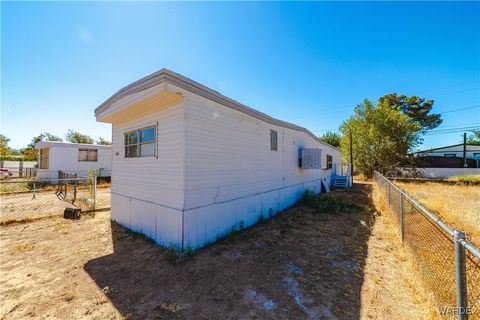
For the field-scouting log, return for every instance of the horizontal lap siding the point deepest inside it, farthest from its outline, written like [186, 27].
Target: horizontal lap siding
[228, 155]
[158, 181]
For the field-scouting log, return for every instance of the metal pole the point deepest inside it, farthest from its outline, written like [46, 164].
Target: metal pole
[465, 150]
[351, 150]
[389, 194]
[34, 191]
[20, 169]
[401, 217]
[460, 275]
[95, 192]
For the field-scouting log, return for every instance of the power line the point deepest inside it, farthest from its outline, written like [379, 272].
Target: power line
[431, 133]
[449, 87]
[461, 109]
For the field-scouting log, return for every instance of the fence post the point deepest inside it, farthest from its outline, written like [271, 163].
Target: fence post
[95, 191]
[460, 275]
[401, 217]
[20, 169]
[388, 183]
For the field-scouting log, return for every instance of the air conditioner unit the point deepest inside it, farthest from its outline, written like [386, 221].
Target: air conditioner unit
[310, 158]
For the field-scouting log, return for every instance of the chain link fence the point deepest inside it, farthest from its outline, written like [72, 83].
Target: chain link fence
[449, 264]
[29, 199]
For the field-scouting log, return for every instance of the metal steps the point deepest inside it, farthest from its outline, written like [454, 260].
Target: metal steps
[340, 182]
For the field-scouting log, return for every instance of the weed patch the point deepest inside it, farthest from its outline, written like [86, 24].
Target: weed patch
[329, 203]
[175, 256]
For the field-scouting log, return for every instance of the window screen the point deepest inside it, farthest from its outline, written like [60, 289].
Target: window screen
[273, 140]
[140, 143]
[87, 155]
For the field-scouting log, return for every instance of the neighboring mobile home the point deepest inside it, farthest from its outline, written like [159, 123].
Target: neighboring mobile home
[73, 158]
[189, 164]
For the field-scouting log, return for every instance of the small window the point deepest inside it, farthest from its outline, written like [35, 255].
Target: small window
[476, 155]
[43, 161]
[450, 155]
[273, 140]
[329, 162]
[140, 143]
[87, 155]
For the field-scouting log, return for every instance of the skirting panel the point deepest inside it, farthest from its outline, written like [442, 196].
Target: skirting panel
[163, 225]
[210, 223]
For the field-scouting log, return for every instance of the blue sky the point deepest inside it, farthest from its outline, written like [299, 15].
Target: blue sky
[306, 63]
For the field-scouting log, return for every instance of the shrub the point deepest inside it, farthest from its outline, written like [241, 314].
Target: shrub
[176, 256]
[329, 203]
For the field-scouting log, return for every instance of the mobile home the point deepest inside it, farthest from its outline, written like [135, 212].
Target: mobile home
[73, 158]
[189, 164]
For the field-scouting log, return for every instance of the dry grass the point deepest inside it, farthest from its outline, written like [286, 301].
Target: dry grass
[457, 205]
[408, 269]
[465, 179]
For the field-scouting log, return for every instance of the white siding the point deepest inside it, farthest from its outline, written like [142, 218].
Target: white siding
[233, 178]
[66, 159]
[156, 180]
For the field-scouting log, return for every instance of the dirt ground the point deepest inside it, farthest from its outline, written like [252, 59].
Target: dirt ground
[301, 264]
[19, 206]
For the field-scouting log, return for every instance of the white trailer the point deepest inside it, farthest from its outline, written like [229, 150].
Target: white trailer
[72, 158]
[189, 164]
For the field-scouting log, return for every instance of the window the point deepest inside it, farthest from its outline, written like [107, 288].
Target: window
[87, 155]
[43, 161]
[450, 155]
[476, 155]
[140, 143]
[329, 162]
[273, 140]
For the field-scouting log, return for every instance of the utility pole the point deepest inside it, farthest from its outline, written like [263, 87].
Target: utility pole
[465, 150]
[351, 152]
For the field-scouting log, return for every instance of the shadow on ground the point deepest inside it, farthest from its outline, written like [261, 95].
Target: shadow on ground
[301, 264]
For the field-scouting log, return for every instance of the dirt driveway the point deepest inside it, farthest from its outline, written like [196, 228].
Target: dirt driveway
[301, 264]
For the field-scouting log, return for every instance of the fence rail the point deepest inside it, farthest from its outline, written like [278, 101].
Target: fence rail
[35, 198]
[448, 262]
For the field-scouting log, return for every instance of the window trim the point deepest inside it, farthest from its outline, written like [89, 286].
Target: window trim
[138, 144]
[272, 146]
[88, 151]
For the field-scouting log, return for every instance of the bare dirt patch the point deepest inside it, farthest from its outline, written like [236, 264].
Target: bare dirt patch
[302, 264]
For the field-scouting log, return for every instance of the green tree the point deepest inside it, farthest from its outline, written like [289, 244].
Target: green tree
[331, 138]
[30, 153]
[382, 137]
[104, 142]
[77, 137]
[415, 107]
[5, 150]
[474, 138]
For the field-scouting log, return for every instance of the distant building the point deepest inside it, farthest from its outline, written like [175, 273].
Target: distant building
[450, 156]
[72, 158]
